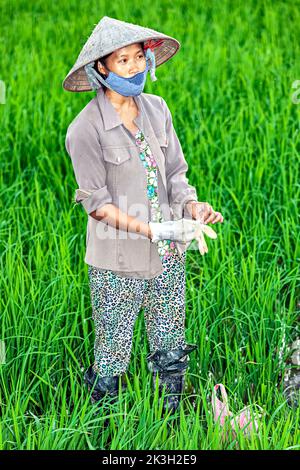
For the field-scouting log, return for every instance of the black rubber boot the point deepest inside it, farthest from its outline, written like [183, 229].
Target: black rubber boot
[171, 367]
[108, 385]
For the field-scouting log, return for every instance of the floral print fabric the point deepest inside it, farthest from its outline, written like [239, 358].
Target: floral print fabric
[166, 248]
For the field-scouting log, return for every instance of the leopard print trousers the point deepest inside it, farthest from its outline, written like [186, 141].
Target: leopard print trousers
[116, 303]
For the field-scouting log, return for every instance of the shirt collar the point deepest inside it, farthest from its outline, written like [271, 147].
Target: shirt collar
[110, 116]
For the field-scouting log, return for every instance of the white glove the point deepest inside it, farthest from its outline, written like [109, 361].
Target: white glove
[203, 228]
[182, 230]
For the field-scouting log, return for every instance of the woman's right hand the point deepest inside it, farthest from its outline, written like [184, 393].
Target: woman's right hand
[182, 230]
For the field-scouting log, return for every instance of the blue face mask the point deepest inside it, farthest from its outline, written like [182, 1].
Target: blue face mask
[132, 86]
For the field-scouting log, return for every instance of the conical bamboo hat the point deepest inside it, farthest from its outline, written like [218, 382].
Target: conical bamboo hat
[111, 34]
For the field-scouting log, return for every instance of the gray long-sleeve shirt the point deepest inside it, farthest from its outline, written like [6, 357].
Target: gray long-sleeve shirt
[107, 168]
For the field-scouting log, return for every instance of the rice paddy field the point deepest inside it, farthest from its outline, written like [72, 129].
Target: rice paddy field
[234, 93]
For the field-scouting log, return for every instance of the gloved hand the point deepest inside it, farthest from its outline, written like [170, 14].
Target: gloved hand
[203, 211]
[203, 228]
[182, 230]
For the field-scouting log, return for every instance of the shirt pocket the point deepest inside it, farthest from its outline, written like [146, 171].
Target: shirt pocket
[116, 155]
[122, 164]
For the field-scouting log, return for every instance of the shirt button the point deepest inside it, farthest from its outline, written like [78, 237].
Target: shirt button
[121, 258]
[118, 159]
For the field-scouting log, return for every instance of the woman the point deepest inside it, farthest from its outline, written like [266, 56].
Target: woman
[127, 160]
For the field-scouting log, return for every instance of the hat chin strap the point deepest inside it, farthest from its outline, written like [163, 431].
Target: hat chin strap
[93, 76]
[151, 56]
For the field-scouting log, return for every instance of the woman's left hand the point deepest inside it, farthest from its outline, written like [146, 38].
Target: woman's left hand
[204, 212]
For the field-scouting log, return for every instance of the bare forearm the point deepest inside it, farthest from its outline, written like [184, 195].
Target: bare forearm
[112, 215]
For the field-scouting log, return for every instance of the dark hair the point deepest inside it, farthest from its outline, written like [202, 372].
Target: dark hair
[103, 61]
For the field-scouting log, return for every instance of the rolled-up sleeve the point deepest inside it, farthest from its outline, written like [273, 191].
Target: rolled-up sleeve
[179, 190]
[83, 146]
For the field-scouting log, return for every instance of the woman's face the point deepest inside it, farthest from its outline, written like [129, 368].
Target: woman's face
[126, 61]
